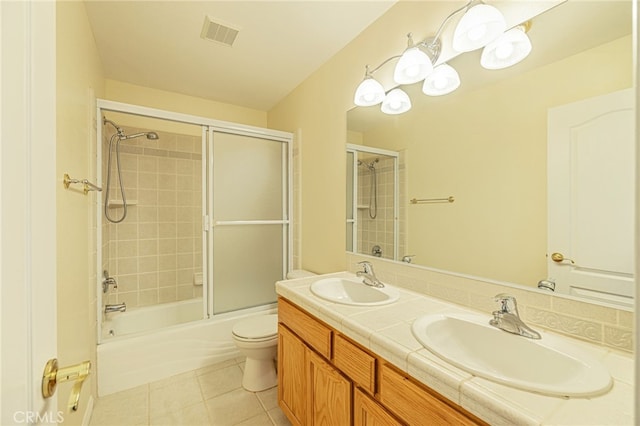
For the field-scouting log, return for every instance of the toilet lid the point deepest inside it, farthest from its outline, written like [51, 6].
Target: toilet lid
[257, 327]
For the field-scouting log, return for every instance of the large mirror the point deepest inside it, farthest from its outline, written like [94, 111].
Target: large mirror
[490, 146]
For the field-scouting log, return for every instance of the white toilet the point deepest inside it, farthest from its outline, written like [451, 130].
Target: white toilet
[257, 339]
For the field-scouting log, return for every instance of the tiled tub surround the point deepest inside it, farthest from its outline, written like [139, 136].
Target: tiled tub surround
[386, 331]
[155, 252]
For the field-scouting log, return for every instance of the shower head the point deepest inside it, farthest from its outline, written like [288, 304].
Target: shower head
[118, 128]
[150, 135]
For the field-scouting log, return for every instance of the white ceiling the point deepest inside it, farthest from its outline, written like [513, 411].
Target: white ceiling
[157, 44]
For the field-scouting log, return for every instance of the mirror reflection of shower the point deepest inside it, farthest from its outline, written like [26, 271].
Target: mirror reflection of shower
[118, 137]
[373, 187]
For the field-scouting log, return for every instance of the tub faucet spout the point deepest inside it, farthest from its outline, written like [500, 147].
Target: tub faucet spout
[119, 307]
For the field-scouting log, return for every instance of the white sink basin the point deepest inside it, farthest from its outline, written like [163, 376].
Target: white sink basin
[550, 366]
[351, 291]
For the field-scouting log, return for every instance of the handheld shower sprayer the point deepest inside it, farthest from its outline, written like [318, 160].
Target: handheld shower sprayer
[118, 137]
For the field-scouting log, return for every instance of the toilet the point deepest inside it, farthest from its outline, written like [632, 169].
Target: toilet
[257, 339]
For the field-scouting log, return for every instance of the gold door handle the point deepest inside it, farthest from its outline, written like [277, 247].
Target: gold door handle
[53, 375]
[559, 258]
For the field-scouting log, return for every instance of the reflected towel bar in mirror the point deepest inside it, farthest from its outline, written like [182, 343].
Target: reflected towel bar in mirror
[432, 200]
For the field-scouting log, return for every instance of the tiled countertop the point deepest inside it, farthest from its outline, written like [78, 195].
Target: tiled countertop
[386, 331]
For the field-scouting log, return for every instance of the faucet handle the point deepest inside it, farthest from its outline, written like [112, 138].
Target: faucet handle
[508, 303]
[367, 266]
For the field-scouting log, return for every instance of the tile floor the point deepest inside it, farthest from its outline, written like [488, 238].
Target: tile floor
[208, 396]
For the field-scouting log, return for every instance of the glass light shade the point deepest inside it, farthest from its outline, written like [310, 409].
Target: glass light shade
[396, 102]
[509, 49]
[478, 27]
[414, 65]
[369, 92]
[444, 79]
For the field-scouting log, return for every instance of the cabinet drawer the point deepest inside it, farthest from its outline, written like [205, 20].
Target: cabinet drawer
[312, 332]
[355, 363]
[415, 405]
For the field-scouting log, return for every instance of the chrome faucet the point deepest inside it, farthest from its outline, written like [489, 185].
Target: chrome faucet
[368, 275]
[118, 307]
[508, 319]
[107, 281]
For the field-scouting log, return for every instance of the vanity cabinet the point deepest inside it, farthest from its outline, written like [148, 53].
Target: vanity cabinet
[325, 378]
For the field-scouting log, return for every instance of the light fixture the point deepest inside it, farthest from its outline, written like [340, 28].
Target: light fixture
[396, 102]
[414, 64]
[369, 92]
[479, 26]
[509, 49]
[443, 80]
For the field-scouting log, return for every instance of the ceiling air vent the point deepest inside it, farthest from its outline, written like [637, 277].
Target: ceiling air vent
[218, 32]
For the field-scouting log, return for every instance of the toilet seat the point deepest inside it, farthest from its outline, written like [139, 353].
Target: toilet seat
[256, 329]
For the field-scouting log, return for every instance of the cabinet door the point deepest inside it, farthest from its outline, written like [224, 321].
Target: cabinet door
[329, 393]
[291, 376]
[415, 405]
[367, 412]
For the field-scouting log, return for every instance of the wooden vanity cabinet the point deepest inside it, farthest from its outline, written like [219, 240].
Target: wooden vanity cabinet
[326, 379]
[367, 412]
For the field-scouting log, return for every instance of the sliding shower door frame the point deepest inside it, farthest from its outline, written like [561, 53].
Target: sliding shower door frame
[208, 125]
[287, 205]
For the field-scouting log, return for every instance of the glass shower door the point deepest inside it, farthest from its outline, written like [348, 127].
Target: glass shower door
[250, 220]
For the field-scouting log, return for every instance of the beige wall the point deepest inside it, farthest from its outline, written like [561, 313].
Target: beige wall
[79, 76]
[176, 102]
[316, 112]
[488, 148]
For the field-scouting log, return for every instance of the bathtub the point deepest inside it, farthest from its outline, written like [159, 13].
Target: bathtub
[151, 343]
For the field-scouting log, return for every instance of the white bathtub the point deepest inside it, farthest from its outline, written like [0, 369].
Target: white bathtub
[157, 349]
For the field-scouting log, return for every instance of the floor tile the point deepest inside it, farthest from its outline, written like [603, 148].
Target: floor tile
[221, 381]
[261, 419]
[233, 407]
[207, 396]
[268, 398]
[193, 415]
[130, 407]
[174, 396]
[278, 418]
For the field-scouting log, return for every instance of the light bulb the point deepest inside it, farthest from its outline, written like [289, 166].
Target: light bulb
[443, 80]
[509, 49]
[480, 25]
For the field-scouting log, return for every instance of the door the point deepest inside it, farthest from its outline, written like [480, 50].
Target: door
[27, 201]
[591, 184]
[328, 393]
[291, 378]
[250, 236]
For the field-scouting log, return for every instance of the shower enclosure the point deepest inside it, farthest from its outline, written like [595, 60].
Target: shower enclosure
[195, 224]
[374, 225]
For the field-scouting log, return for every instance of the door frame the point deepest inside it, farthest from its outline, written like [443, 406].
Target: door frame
[28, 185]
